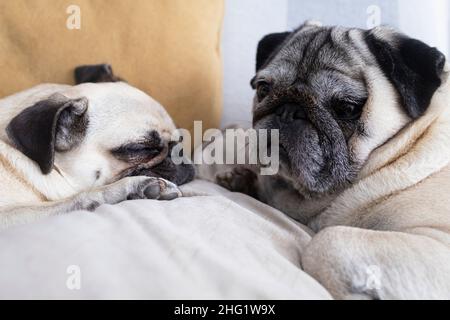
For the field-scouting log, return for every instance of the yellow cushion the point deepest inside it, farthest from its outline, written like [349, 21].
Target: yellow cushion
[169, 49]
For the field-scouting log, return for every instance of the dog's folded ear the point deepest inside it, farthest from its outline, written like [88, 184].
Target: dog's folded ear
[413, 67]
[268, 47]
[95, 73]
[55, 124]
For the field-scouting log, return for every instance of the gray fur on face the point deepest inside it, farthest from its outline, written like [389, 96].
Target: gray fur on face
[313, 79]
[311, 85]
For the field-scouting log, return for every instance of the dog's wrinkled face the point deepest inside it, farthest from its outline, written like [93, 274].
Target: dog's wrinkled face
[94, 134]
[336, 94]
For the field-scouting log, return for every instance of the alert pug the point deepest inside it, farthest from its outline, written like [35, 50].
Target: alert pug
[364, 126]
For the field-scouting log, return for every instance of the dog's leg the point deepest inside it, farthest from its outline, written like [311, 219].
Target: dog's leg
[124, 189]
[95, 74]
[358, 263]
[239, 179]
[272, 190]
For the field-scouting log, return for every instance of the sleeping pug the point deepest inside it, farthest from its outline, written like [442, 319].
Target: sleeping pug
[65, 148]
[364, 125]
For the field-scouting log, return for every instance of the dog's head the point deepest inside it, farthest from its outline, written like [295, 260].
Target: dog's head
[336, 94]
[94, 134]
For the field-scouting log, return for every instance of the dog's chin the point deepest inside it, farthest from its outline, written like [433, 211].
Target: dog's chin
[315, 164]
[297, 181]
[309, 183]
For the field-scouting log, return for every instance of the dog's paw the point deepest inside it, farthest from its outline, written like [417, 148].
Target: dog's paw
[153, 188]
[131, 188]
[240, 179]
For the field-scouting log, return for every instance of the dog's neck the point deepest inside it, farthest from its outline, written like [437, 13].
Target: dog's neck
[50, 187]
[416, 136]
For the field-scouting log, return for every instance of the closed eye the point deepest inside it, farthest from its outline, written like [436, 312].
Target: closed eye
[137, 148]
[136, 152]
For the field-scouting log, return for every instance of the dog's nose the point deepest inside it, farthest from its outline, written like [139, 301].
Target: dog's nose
[290, 112]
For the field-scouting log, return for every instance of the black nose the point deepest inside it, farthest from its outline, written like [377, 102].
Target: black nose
[290, 112]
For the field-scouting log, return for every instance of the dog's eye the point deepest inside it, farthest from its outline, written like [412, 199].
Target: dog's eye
[262, 90]
[135, 152]
[347, 111]
[137, 148]
[142, 150]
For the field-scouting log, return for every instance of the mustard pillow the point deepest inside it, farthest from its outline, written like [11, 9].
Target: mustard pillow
[169, 49]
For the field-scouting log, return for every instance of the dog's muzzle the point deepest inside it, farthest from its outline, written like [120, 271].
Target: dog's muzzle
[162, 166]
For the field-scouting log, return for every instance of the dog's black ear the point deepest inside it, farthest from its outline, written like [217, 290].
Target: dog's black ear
[413, 67]
[95, 73]
[268, 47]
[54, 124]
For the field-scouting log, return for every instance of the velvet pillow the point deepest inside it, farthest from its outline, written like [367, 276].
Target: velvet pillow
[169, 49]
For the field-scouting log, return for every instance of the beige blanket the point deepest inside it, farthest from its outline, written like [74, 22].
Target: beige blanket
[211, 244]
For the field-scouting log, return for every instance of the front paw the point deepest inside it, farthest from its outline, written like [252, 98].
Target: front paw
[130, 188]
[151, 188]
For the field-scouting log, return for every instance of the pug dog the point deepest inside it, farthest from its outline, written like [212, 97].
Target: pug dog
[364, 126]
[66, 148]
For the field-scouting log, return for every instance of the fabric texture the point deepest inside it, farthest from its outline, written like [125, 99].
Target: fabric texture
[210, 244]
[169, 49]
